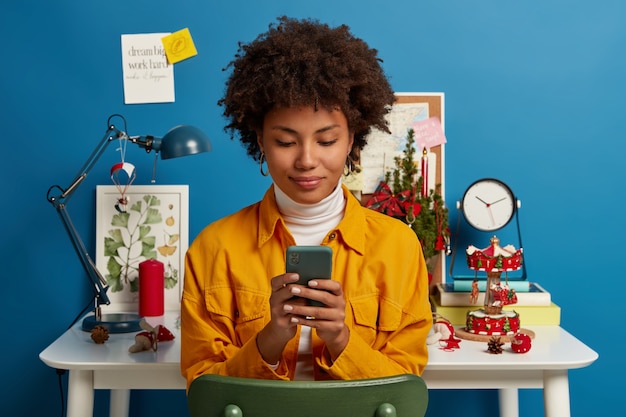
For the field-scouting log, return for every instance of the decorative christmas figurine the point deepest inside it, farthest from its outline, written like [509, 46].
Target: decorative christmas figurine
[443, 334]
[149, 339]
[494, 260]
[521, 343]
[491, 319]
[475, 291]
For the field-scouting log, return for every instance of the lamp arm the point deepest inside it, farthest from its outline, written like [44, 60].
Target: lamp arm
[100, 286]
[59, 202]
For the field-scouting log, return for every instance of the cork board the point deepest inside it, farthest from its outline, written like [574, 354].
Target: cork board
[435, 107]
[435, 102]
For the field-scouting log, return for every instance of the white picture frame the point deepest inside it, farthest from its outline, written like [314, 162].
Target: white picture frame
[154, 224]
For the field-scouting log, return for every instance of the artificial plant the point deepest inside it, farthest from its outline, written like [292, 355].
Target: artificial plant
[401, 196]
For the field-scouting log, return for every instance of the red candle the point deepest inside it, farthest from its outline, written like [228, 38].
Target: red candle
[151, 288]
[425, 172]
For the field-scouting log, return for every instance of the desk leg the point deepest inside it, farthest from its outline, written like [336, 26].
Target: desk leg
[80, 392]
[556, 393]
[509, 402]
[120, 400]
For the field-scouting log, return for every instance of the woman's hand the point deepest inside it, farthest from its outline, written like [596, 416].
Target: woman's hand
[329, 320]
[289, 308]
[272, 339]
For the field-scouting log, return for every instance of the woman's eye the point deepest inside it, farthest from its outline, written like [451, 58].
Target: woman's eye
[328, 142]
[284, 143]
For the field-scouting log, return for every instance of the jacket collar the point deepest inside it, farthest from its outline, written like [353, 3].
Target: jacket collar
[351, 229]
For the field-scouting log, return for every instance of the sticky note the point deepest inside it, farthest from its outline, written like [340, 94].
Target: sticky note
[179, 46]
[428, 133]
[354, 181]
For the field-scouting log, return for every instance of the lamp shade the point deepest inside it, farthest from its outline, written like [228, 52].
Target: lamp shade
[182, 141]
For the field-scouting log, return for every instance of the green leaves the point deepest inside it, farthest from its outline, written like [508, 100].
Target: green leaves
[430, 222]
[131, 240]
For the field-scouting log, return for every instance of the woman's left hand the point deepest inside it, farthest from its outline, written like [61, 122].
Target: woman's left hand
[328, 320]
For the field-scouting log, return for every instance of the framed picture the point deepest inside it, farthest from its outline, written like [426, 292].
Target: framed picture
[150, 222]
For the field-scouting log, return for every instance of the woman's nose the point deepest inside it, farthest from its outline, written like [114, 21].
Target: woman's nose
[307, 157]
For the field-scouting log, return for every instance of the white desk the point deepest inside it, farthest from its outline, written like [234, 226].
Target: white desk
[111, 366]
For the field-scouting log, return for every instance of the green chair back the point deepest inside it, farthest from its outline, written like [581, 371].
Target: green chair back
[222, 396]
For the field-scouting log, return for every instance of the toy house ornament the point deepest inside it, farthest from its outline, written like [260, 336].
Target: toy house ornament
[494, 260]
[492, 320]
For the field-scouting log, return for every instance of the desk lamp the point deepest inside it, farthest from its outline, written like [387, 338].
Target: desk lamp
[179, 141]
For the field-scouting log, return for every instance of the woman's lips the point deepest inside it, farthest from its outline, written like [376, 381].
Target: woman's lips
[307, 182]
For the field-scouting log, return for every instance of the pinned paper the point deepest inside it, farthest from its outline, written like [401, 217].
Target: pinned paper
[179, 46]
[428, 133]
[147, 76]
[381, 144]
[354, 181]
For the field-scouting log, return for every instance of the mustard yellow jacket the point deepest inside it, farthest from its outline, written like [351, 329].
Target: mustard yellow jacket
[225, 301]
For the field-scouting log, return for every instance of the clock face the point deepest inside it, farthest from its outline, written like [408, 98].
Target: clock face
[488, 204]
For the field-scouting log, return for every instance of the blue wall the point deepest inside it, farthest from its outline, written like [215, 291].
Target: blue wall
[534, 96]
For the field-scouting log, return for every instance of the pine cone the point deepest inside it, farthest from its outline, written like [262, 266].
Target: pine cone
[495, 345]
[99, 334]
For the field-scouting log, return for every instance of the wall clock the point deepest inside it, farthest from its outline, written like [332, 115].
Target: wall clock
[488, 204]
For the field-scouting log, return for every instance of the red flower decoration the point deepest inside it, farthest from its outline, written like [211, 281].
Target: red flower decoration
[385, 201]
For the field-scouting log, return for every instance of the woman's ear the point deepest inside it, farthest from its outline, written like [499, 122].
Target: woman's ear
[351, 144]
[259, 140]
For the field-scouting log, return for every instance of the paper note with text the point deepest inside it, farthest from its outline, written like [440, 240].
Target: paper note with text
[148, 78]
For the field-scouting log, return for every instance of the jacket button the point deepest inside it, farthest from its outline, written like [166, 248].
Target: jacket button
[332, 236]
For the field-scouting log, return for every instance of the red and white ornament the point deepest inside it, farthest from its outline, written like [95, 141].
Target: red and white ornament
[521, 343]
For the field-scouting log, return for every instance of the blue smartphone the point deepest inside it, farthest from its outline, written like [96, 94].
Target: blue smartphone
[310, 262]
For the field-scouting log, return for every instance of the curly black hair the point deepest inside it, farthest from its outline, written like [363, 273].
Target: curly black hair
[304, 63]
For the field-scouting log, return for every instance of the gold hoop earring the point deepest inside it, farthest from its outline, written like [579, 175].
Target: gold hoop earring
[261, 160]
[349, 165]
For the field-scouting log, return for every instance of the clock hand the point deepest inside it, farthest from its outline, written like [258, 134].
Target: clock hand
[493, 222]
[488, 208]
[497, 201]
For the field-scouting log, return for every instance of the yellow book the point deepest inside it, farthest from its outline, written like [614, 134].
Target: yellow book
[528, 315]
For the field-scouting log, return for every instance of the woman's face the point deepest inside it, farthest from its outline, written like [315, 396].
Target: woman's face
[305, 150]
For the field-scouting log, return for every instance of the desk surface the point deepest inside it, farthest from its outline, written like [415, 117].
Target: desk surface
[552, 348]
[110, 366]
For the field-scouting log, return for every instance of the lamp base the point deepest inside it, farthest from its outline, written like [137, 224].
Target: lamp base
[115, 322]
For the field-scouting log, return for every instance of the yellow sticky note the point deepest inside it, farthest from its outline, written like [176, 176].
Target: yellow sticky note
[179, 46]
[354, 181]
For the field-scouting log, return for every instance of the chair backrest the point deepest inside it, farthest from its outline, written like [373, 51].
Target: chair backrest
[221, 396]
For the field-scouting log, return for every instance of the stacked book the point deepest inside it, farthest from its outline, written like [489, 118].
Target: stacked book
[534, 303]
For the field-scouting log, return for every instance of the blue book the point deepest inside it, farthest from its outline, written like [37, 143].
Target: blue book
[535, 296]
[465, 285]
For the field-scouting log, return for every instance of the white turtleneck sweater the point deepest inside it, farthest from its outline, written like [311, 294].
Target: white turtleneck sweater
[309, 224]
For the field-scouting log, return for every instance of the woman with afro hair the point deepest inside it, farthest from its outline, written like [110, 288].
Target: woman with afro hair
[302, 98]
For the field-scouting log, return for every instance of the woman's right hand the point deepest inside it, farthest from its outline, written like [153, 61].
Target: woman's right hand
[274, 337]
